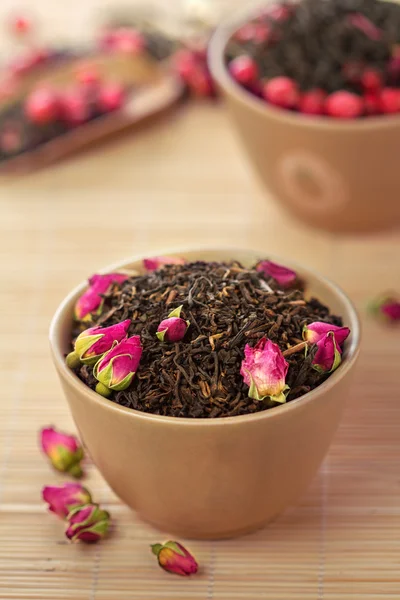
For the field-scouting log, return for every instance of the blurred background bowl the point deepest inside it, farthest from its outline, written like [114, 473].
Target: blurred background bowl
[337, 175]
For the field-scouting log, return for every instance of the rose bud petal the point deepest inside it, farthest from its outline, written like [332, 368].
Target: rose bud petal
[62, 499]
[328, 355]
[174, 557]
[157, 262]
[118, 366]
[64, 451]
[93, 343]
[314, 332]
[281, 274]
[173, 328]
[91, 301]
[264, 370]
[88, 523]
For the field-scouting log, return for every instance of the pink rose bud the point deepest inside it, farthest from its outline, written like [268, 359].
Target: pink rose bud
[328, 355]
[64, 451]
[91, 301]
[62, 499]
[387, 309]
[264, 370]
[118, 366]
[314, 332]
[157, 262]
[173, 328]
[281, 274]
[93, 343]
[88, 523]
[174, 557]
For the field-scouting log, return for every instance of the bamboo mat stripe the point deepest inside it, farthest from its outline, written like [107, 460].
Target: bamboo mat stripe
[342, 541]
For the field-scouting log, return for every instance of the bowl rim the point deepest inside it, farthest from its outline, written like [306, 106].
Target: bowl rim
[69, 376]
[216, 62]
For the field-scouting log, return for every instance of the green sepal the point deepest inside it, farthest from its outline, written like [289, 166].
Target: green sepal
[161, 334]
[75, 471]
[156, 548]
[176, 312]
[174, 546]
[103, 390]
[122, 385]
[254, 395]
[83, 344]
[72, 360]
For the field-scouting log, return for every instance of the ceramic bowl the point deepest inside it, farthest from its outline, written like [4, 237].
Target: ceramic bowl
[337, 175]
[210, 478]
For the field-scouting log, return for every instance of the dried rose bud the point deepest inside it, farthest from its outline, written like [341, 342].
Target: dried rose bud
[118, 366]
[62, 499]
[173, 328]
[93, 343]
[328, 355]
[314, 332]
[387, 309]
[174, 557]
[264, 370]
[20, 26]
[281, 274]
[157, 262]
[91, 301]
[88, 523]
[64, 451]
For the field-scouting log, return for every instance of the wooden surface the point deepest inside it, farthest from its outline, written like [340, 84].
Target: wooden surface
[184, 182]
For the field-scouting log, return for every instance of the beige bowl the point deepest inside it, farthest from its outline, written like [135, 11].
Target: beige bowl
[333, 174]
[210, 478]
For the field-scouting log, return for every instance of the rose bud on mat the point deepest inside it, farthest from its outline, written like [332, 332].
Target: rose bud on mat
[63, 450]
[174, 557]
[62, 499]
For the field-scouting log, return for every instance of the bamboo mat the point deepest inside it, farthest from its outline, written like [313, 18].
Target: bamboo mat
[185, 182]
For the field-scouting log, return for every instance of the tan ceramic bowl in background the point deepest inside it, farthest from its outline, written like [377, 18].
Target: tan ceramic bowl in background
[210, 478]
[333, 174]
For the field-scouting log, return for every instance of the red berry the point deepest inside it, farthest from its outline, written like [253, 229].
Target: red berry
[345, 105]
[277, 12]
[111, 97]
[312, 102]
[200, 82]
[389, 100]
[243, 69]
[185, 63]
[263, 33]
[74, 108]
[371, 80]
[42, 106]
[246, 33]
[128, 41]
[372, 104]
[88, 75]
[282, 91]
[20, 25]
